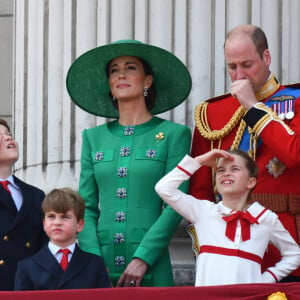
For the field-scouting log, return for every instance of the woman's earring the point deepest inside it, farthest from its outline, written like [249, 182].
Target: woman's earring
[145, 91]
[114, 98]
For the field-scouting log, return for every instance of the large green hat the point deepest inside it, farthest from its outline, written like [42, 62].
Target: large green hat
[88, 86]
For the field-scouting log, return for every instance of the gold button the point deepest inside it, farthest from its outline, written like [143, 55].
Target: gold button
[28, 245]
[2, 262]
[6, 238]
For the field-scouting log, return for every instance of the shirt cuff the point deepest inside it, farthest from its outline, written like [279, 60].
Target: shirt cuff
[189, 164]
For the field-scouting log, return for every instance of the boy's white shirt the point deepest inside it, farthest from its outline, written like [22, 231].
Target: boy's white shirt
[54, 249]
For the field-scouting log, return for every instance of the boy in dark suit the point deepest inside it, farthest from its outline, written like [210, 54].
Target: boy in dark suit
[50, 269]
[21, 225]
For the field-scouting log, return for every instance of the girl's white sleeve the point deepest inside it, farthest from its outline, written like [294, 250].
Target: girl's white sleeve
[167, 188]
[289, 250]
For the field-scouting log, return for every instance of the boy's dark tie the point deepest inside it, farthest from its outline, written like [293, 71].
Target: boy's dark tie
[64, 260]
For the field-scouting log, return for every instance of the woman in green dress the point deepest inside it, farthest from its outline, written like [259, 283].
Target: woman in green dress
[125, 220]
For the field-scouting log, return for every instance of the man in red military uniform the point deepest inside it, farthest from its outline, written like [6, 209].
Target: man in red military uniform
[261, 117]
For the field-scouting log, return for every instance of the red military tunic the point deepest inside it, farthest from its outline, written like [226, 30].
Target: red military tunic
[278, 156]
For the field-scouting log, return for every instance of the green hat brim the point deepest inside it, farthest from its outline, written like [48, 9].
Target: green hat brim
[88, 86]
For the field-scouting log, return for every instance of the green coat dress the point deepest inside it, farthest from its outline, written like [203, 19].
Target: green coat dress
[124, 217]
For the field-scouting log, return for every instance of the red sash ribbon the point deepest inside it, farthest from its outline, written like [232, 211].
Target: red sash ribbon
[230, 252]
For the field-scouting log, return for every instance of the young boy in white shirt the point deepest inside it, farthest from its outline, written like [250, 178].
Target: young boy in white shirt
[50, 268]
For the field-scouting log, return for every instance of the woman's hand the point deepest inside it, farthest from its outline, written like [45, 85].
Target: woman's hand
[133, 274]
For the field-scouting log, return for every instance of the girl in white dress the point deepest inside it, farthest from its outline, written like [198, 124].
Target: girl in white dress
[233, 234]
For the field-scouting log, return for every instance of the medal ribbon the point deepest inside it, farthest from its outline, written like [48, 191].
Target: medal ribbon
[274, 100]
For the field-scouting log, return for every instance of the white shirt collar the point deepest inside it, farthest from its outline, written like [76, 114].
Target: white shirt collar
[54, 248]
[11, 181]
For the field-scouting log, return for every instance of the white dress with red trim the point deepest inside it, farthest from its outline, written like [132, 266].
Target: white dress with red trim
[228, 255]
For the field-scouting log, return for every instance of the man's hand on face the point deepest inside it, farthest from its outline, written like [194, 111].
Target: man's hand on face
[243, 91]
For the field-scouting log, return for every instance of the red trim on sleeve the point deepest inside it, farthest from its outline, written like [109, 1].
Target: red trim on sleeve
[184, 171]
[272, 275]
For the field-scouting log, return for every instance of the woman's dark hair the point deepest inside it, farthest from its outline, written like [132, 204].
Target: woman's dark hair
[151, 97]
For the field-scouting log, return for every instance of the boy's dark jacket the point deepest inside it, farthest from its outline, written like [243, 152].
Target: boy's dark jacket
[43, 272]
[21, 235]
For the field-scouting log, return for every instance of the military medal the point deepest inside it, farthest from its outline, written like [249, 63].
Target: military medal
[290, 114]
[275, 167]
[282, 116]
[279, 110]
[282, 110]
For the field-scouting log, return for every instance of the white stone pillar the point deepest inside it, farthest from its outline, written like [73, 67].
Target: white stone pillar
[200, 50]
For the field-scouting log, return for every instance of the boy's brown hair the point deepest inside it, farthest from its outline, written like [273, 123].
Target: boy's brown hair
[62, 200]
[5, 124]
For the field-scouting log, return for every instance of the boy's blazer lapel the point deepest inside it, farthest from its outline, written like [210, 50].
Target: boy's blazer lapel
[7, 219]
[26, 194]
[77, 263]
[31, 196]
[5, 199]
[48, 262]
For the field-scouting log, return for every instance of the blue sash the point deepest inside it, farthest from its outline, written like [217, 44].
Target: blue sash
[283, 100]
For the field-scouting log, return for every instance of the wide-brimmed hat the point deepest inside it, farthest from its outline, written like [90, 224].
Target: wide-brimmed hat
[88, 86]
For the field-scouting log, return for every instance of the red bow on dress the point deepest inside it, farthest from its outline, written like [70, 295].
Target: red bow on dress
[245, 219]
